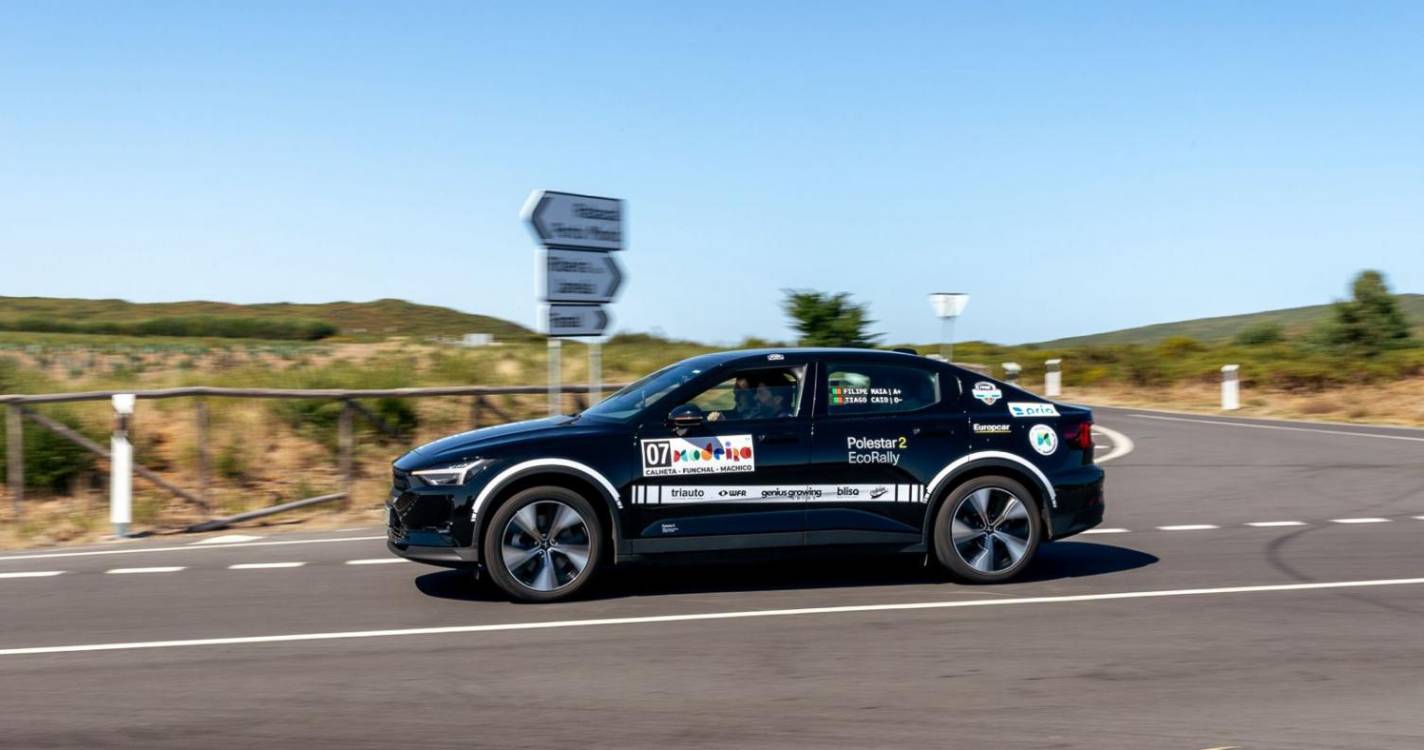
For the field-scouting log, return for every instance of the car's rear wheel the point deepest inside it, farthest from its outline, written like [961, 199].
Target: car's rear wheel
[543, 544]
[987, 530]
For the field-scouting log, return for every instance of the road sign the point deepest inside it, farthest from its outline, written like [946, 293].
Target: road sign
[580, 276]
[575, 320]
[577, 222]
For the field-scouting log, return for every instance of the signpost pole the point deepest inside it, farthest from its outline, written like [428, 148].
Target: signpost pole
[595, 373]
[555, 377]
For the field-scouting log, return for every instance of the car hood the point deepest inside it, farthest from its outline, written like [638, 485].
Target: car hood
[473, 443]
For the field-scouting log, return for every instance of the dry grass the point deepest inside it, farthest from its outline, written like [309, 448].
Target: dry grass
[1398, 403]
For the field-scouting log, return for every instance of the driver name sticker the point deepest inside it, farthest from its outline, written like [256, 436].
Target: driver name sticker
[721, 454]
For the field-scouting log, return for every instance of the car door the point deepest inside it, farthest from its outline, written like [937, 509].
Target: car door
[882, 432]
[735, 478]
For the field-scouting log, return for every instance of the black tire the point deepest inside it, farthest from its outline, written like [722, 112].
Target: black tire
[532, 565]
[997, 531]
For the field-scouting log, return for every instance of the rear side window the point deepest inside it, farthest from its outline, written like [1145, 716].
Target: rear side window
[853, 388]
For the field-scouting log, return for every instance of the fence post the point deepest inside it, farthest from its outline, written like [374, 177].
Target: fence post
[15, 458]
[555, 378]
[1011, 373]
[1053, 378]
[121, 466]
[346, 444]
[475, 404]
[1230, 388]
[201, 413]
[595, 373]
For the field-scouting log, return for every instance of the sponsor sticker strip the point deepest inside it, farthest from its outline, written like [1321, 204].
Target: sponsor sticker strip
[654, 494]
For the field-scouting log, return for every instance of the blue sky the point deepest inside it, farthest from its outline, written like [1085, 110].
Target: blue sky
[1077, 167]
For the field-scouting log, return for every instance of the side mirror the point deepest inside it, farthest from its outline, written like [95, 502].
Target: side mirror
[684, 416]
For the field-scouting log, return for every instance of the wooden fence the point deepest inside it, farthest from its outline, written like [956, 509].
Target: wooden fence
[17, 408]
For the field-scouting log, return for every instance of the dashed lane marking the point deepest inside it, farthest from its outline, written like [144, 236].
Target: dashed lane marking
[1109, 530]
[187, 548]
[1359, 520]
[704, 616]
[377, 561]
[32, 574]
[1273, 524]
[1189, 527]
[154, 569]
[265, 566]
[1220, 423]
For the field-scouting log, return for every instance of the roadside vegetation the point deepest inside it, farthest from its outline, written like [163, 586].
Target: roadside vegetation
[1361, 362]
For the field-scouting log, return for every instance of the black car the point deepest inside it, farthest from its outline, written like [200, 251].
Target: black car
[764, 449]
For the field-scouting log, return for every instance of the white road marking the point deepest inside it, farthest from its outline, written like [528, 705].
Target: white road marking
[1106, 531]
[265, 566]
[1188, 527]
[186, 548]
[704, 616]
[1270, 524]
[155, 569]
[377, 561]
[32, 574]
[1122, 444]
[1421, 518]
[227, 539]
[1281, 427]
[1359, 520]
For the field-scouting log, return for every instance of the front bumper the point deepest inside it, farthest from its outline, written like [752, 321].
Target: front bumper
[430, 524]
[1080, 504]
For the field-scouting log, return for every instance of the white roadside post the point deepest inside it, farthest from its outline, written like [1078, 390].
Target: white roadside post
[1011, 373]
[947, 307]
[1053, 378]
[1230, 387]
[556, 371]
[121, 466]
[595, 372]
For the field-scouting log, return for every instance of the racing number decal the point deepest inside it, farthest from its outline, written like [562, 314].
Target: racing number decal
[656, 454]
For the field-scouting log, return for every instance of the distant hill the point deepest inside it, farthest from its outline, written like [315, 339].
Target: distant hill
[378, 319]
[1294, 320]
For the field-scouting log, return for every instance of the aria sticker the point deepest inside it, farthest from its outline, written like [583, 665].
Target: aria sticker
[1032, 409]
[1043, 439]
[987, 392]
[712, 455]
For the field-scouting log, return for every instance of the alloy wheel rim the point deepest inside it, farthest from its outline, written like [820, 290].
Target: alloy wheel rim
[545, 545]
[990, 529]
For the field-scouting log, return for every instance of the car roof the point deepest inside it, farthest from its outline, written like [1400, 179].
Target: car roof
[715, 359]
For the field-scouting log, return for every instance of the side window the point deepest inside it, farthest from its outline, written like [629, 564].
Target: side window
[878, 389]
[767, 393]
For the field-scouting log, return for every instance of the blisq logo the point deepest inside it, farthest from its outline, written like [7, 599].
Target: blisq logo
[1043, 439]
[987, 392]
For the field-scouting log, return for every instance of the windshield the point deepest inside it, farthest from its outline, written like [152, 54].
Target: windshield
[633, 398]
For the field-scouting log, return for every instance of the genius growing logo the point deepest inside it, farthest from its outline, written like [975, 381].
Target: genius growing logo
[715, 455]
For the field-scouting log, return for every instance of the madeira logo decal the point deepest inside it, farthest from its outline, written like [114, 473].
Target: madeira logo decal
[711, 455]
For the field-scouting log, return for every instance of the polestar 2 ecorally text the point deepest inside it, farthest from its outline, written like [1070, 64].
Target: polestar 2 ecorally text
[796, 448]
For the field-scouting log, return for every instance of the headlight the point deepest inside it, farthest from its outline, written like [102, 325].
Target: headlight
[450, 475]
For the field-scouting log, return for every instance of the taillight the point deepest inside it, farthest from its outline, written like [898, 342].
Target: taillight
[1080, 435]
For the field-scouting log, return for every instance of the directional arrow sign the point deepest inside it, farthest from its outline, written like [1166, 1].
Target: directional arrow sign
[579, 222]
[580, 276]
[575, 320]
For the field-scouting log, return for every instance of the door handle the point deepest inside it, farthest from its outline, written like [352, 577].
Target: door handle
[773, 439]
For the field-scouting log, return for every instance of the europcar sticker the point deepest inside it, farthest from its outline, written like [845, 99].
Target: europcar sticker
[1032, 409]
[1043, 438]
[987, 392]
[980, 428]
[711, 455]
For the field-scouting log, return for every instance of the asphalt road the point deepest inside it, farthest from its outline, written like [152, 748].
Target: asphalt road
[1182, 626]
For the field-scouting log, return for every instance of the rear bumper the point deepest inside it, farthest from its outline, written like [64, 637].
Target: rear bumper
[1080, 504]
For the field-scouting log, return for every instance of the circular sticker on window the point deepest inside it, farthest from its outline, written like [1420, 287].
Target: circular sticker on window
[1043, 439]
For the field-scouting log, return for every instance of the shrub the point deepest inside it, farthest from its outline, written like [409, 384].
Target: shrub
[1260, 334]
[51, 461]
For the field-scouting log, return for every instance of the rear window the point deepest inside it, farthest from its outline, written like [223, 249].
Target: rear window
[854, 388]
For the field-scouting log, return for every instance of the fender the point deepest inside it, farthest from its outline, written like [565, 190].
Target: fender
[991, 458]
[556, 465]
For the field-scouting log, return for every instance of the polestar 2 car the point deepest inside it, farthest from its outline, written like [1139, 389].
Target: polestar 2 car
[846, 449]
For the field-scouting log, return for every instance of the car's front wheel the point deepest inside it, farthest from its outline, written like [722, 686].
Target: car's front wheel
[543, 544]
[987, 530]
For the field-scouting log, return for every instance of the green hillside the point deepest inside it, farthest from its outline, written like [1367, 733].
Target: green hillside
[378, 319]
[1294, 320]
